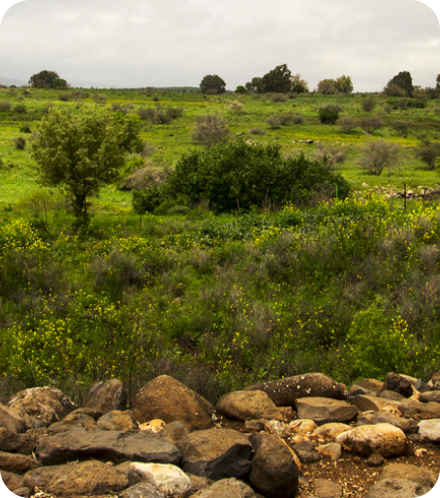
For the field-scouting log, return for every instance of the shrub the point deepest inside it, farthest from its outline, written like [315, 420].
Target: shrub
[402, 127]
[416, 104]
[387, 109]
[371, 124]
[5, 105]
[279, 97]
[368, 103]
[240, 89]
[20, 143]
[428, 153]
[20, 109]
[274, 122]
[64, 97]
[376, 156]
[145, 201]
[286, 119]
[296, 119]
[393, 90]
[257, 131]
[328, 114]
[347, 124]
[226, 176]
[210, 129]
[148, 150]
[146, 113]
[117, 107]
[25, 128]
[100, 98]
[146, 177]
[403, 104]
[326, 87]
[236, 107]
[331, 155]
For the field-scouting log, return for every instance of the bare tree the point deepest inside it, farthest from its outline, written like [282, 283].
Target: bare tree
[375, 156]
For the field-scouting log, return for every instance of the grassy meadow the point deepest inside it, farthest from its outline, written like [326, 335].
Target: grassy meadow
[350, 288]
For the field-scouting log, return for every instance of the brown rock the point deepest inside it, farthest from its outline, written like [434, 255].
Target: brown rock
[117, 446]
[253, 426]
[399, 384]
[385, 439]
[167, 399]
[142, 490]
[16, 463]
[106, 396]
[302, 426]
[287, 413]
[216, 453]
[375, 460]
[391, 395]
[174, 432]
[23, 492]
[375, 403]
[71, 421]
[284, 392]
[273, 472]
[430, 396]
[408, 426]
[396, 488]
[10, 420]
[331, 450]
[331, 430]
[248, 405]
[198, 483]
[325, 410]
[226, 488]
[371, 385]
[11, 442]
[327, 489]
[306, 452]
[413, 473]
[84, 478]
[12, 481]
[416, 410]
[91, 412]
[116, 420]
[43, 403]
[39, 477]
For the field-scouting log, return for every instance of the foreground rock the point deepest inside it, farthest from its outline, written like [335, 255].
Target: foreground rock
[248, 405]
[16, 463]
[399, 384]
[86, 478]
[174, 432]
[273, 470]
[169, 479]
[397, 488]
[406, 425]
[106, 396]
[331, 430]
[43, 403]
[116, 420]
[367, 403]
[142, 490]
[284, 392]
[384, 439]
[325, 410]
[11, 481]
[167, 399]
[416, 410]
[430, 429]
[420, 475]
[72, 420]
[327, 489]
[10, 420]
[226, 488]
[11, 442]
[216, 454]
[140, 446]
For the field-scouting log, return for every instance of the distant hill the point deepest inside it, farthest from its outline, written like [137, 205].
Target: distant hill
[11, 81]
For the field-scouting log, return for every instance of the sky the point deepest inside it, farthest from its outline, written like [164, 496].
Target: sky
[140, 43]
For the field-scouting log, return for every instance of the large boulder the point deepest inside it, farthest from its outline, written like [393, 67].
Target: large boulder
[414, 473]
[284, 392]
[169, 479]
[137, 446]
[216, 454]
[167, 399]
[106, 396]
[39, 477]
[408, 426]
[43, 403]
[226, 488]
[86, 478]
[16, 463]
[273, 471]
[248, 405]
[399, 384]
[11, 442]
[397, 488]
[116, 420]
[325, 410]
[385, 439]
[430, 429]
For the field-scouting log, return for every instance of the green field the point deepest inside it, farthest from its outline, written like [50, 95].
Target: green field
[349, 288]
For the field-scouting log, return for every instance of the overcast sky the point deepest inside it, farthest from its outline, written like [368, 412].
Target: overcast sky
[139, 43]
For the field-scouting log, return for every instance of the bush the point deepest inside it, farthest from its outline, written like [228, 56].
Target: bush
[210, 129]
[347, 124]
[257, 131]
[279, 97]
[226, 176]
[5, 105]
[428, 153]
[326, 87]
[371, 124]
[20, 143]
[330, 155]
[236, 107]
[416, 104]
[20, 109]
[117, 107]
[387, 109]
[64, 97]
[403, 104]
[378, 155]
[100, 98]
[25, 128]
[368, 103]
[145, 201]
[402, 127]
[329, 114]
[274, 122]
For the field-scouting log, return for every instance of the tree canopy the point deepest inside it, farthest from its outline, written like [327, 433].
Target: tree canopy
[81, 153]
[47, 79]
[299, 85]
[212, 84]
[403, 80]
[278, 80]
[343, 84]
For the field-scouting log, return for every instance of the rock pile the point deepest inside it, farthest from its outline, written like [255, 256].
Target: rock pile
[279, 439]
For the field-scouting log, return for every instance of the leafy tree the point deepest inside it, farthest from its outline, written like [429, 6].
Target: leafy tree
[368, 103]
[212, 84]
[240, 89]
[59, 83]
[255, 85]
[278, 80]
[44, 79]
[403, 80]
[343, 84]
[81, 153]
[329, 114]
[428, 153]
[375, 156]
[326, 87]
[299, 85]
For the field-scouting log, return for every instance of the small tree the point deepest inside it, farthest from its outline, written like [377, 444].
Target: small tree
[212, 84]
[378, 155]
[240, 89]
[299, 85]
[348, 124]
[326, 87]
[402, 127]
[371, 123]
[343, 84]
[429, 152]
[438, 82]
[279, 80]
[329, 114]
[403, 80]
[44, 79]
[81, 153]
[368, 103]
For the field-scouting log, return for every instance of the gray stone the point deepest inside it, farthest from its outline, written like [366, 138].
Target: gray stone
[371, 385]
[106, 396]
[399, 384]
[216, 453]
[421, 386]
[140, 446]
[414, 473]
[391, 395]
[325, 410]
[417, 410]
[375, 460]
[430, 429]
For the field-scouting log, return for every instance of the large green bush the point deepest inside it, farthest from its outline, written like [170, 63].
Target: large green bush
[238, 176]
[329, 114]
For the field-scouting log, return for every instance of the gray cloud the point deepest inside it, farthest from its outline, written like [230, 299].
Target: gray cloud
[135, 43]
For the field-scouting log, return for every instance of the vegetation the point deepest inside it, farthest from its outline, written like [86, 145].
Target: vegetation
[278, 80]
[212, 84]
